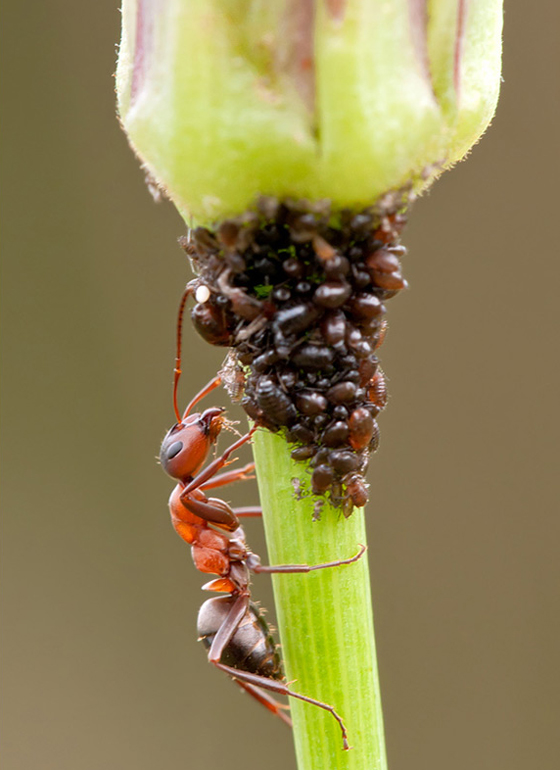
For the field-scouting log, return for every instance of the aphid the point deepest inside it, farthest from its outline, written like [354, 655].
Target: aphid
[336, 434]
[211, 323]
[342, 392]
[356, 489]
[361, 427]
[331, 294]
[321, 479]
[376, 390]
[295, 319]
[310, 356]
[344, 461]
[311, 403]
[366, 306]
[276, 405]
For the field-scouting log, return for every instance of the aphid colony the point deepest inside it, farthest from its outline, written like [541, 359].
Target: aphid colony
[299, 294]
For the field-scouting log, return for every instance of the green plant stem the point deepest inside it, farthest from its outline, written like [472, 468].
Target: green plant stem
[325, 618]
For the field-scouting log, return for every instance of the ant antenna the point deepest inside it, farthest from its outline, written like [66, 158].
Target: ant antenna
[177, 370]
[215, 381]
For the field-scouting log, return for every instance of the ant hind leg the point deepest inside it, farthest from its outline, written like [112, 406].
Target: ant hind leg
[266, 700]
[281, 688]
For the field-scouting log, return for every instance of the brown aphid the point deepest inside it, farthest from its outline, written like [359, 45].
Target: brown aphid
[344, 461]
[302, 453]
[228, 232]
[336, 434]
[313, 357]
[293, 267]
[342, 393]
[367, 369]
[211, 323]
[389, 281]
[310, 403]
[383, 261]
[332, 294]
[295, 319]
[365, 307]
[300, 434]
[252, 409]
[361, 426]
[381, 334]
[322, 479]
[337, 268]
[377, 390]
[356, 489]
[276, 405]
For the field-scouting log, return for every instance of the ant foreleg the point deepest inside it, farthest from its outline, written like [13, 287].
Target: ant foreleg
[211, 509]
[281, 688]
[208, 388]
[216, 464]
[241, 474]
[218, 512]
[253, 562]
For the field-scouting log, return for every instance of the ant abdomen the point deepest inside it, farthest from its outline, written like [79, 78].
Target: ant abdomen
[251, 648]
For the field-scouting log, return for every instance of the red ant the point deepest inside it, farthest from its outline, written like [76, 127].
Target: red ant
[231, 627]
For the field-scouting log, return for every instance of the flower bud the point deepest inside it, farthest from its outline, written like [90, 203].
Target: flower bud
[338, 99]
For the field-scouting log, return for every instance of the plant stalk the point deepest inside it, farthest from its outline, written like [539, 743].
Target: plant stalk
[325, 618]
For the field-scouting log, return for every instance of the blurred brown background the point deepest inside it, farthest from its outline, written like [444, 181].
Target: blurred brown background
[101, 664]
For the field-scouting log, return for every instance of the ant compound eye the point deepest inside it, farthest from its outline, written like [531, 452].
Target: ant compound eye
[174, 450]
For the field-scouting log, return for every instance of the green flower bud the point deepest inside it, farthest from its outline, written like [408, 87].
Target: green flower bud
[225, 100]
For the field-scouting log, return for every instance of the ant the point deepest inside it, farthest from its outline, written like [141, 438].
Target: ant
[231, 627]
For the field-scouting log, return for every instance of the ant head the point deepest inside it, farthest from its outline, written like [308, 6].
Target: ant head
[185, 447]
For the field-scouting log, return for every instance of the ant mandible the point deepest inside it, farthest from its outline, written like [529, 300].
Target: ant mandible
[231, 627]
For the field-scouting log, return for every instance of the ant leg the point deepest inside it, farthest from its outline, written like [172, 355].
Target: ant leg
[241, 474]
[255, 566]
[281, 689]
[216, 464]
[222, 639]
[266, 700]
[228, 629]
[208, 388]
[211, 509]
[218, 512]
[248, 512]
